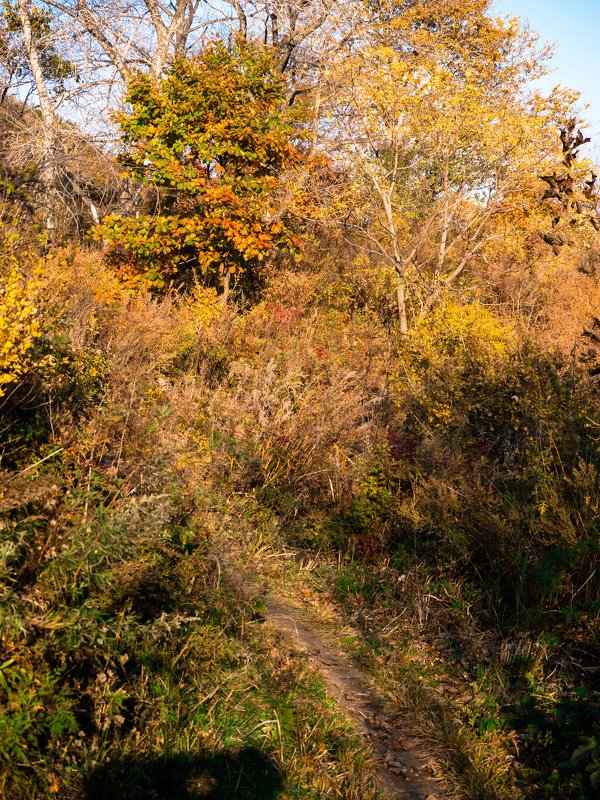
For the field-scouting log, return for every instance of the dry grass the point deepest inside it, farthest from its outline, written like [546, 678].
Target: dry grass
[116, 619]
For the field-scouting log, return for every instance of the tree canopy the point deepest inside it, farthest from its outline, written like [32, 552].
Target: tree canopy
[208, 142]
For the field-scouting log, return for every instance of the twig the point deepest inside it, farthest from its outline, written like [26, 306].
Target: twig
[37, 463]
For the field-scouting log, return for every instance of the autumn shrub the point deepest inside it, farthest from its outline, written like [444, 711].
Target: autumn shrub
[504, 462]
[444, 355]
[296, 418]
[73, 432]
[19, 319]
[566, 300]
[356, 284]
[62, 371]
[465, 498]
[206, 335]
[120, 636]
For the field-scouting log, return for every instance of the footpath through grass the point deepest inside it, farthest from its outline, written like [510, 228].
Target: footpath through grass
[436, 499]
[129, 669]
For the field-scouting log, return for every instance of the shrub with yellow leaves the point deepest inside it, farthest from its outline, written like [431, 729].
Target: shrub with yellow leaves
[498, 439]
[449, 350]
[19, 323]
[203, 308]
[466, 330]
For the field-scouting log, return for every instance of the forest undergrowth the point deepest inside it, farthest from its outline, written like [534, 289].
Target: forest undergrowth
[433, 501]
[129, 667]
[444, 493]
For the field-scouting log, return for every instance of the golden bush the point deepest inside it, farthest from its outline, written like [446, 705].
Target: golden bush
[19, 323]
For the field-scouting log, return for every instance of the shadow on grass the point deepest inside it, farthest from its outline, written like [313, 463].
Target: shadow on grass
[246, 774]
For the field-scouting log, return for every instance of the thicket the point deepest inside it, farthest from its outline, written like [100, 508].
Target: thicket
[460, 463]
[129, 666]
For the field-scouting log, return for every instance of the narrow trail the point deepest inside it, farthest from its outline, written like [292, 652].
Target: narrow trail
[401, 765]
[402, 768]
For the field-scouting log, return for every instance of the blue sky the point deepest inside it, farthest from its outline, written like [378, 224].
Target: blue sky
[573, 26]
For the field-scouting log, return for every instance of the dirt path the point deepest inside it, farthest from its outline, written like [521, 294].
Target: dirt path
[402, 767]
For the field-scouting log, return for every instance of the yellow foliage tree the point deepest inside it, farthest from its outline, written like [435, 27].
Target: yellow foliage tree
[442, 137]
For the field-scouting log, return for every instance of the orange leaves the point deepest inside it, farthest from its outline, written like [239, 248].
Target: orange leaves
[211, 141]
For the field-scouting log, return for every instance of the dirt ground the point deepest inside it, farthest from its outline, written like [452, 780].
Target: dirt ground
[402, 766]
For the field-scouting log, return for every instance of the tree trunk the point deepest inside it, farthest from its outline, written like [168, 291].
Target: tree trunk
[48, 165]
[226, 287]
[166, 35]
[400, 264]
[401, 298]
[242, 20]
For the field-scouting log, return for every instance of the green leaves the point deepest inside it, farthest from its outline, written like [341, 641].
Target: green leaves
[210, 141]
